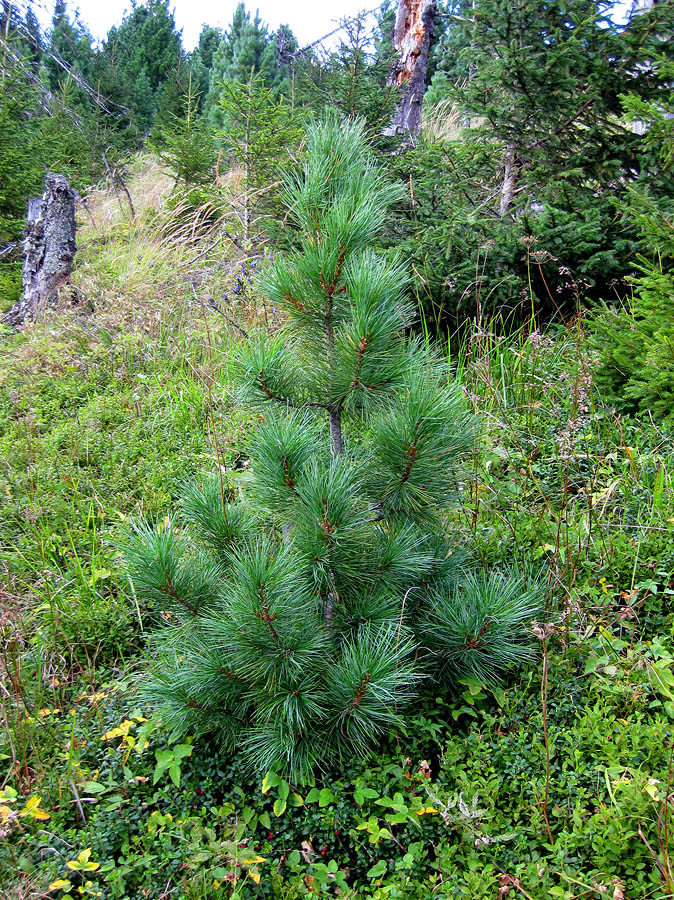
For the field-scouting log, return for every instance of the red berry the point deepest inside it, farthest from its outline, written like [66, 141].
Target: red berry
[271, 836]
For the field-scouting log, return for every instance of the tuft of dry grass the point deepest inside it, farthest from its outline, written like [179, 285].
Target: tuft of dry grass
[442, 122]
[140, 272]
[149, 186]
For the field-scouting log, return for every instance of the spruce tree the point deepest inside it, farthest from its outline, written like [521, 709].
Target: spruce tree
[260, 132]
[185, 144]
[300, 621]
[538, 156]
[247, 49]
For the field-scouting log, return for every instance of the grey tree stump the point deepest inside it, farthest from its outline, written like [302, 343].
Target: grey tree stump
[49, 249]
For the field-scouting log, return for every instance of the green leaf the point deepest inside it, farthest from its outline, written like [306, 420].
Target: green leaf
[377, 869]
[94, 787]
[174, 772]
[220, 873]
[265, 820]
[659, 486]
[270, 780]
[280, 806]
[325, 797]
[312, 796]
[293, 858]
[283, 790]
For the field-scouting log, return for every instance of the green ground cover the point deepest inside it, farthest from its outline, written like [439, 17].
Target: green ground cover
[557, 783]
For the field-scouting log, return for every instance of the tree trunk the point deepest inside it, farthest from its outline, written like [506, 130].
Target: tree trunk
[49, 249]
[414, 28]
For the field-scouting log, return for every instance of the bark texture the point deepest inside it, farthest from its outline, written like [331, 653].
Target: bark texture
[49, 249]
[412, 34]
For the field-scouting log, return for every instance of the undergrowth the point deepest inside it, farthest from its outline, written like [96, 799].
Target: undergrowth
[557, 784]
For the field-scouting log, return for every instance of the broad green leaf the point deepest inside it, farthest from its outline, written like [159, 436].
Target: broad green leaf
[325, 797]
[377, 869]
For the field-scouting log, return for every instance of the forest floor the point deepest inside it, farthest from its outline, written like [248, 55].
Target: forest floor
[556, 784]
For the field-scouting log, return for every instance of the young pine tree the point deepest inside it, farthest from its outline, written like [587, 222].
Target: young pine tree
[300, 621]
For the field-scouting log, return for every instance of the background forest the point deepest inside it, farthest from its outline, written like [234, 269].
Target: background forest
[337, 486]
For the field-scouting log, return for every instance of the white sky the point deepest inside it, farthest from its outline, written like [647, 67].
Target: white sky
[309, 19]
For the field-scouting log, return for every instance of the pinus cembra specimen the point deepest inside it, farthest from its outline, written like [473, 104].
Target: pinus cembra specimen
[302, 620]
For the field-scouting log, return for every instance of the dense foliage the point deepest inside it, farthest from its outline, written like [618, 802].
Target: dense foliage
[528, 163]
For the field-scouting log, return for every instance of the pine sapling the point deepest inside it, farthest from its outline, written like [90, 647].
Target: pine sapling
[301, 620]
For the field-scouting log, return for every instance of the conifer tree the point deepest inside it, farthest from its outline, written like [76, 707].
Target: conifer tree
[138, 56]
[260, 132]
[301, 620]
[246, 49]
[185, 144]
[201, 59]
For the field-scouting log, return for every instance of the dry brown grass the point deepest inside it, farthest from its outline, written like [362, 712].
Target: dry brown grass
[442, 122]
[151, 273]
[137, 272]
[148, 185]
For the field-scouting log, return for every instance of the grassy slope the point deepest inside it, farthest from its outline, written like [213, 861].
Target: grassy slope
[107, 408]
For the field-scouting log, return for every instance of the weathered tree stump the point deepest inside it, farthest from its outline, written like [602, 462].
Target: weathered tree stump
[412, 34]
[49, 249]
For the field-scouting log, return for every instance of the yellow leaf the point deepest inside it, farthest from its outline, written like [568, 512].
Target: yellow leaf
[96, 696]
[4, 812]
[32, 809]
[253, 860]
[255, 876]
[60, 884]
[40, 814]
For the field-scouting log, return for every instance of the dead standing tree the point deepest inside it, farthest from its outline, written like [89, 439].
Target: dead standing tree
[49, 249]
[412, 34]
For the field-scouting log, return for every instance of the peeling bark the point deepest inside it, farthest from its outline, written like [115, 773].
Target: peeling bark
[412, 34]
[49, 249]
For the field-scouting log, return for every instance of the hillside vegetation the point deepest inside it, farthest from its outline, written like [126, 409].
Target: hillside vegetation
[475, 695]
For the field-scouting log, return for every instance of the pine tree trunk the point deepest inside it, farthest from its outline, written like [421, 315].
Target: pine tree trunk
[334, 412]
[49, 249]
[414, 28]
